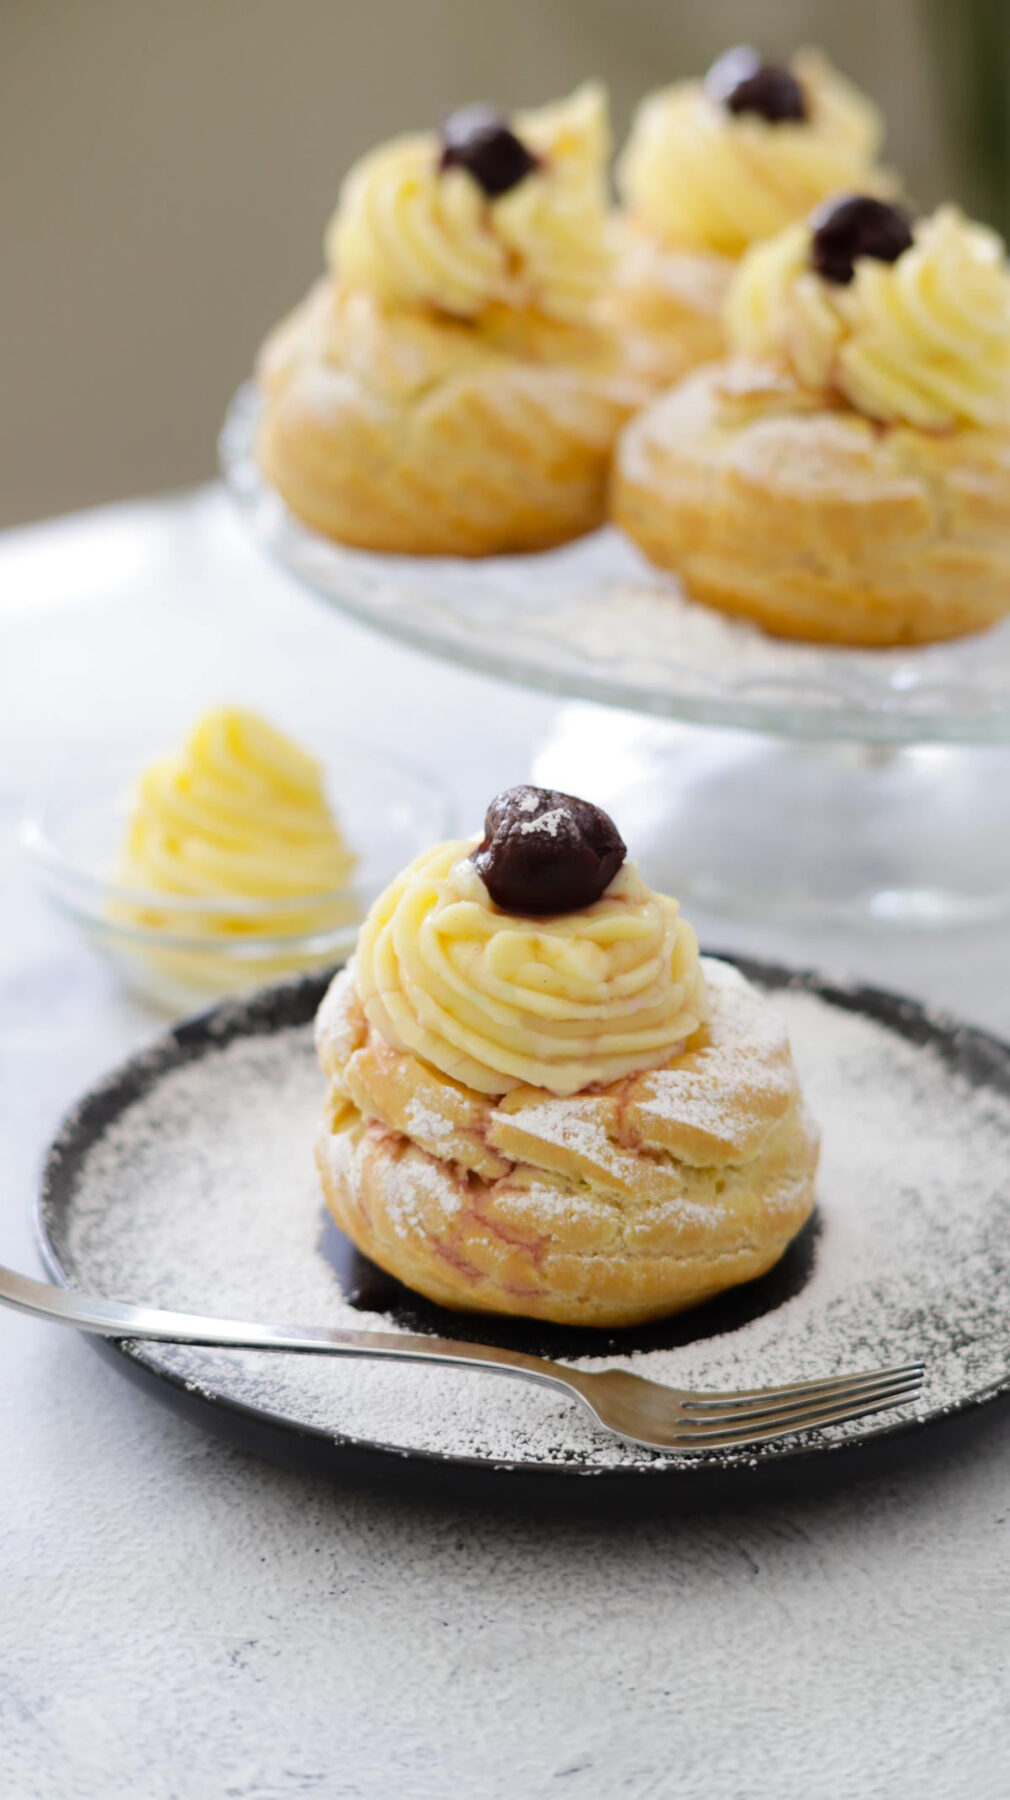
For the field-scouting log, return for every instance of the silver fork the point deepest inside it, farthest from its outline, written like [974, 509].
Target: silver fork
[640, 1411]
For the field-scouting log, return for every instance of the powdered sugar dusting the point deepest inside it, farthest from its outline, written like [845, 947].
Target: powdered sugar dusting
[573, 1127]
[745, 1061]
[424, 1122]
[548, 824]
[203, 1195]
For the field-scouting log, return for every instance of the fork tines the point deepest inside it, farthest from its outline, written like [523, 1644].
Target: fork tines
[721, 1421]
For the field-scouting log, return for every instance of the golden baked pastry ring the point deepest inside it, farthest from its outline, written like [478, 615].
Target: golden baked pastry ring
[593, 621]
[610, 1208]
[91, 1234]
[813, 521]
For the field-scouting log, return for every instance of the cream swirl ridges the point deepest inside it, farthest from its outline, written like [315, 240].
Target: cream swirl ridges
[498, 1002]
[241, 813]
[695, 175]
[924, 341]
[416, 235]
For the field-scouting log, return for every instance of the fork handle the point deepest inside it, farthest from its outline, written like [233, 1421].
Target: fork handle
[124, 1319]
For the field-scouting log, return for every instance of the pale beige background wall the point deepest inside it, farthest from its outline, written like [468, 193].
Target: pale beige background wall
[167, 166]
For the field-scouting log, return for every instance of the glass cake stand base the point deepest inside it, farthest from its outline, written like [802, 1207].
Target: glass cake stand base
[829, 832]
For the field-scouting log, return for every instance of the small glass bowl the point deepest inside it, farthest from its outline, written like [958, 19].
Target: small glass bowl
[184, 953]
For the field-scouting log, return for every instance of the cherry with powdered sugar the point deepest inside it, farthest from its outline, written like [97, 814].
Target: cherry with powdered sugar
[742, 83]
[856, 225]
[478, 139]
[547, 852]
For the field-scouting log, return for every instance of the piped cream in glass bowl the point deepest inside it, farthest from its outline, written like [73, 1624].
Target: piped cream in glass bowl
[236, 861]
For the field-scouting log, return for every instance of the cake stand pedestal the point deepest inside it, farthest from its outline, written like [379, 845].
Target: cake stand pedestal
[834, 833]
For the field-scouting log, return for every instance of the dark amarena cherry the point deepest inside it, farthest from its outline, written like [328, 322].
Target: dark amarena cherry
[853, 226]
[546, 852]
[742, 83]
[478, 139]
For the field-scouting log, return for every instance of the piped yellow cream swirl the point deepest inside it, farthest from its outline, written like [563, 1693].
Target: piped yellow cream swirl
[498, 1002]
[924, 340]
[698, 176]
[240, 813]
[416, 235]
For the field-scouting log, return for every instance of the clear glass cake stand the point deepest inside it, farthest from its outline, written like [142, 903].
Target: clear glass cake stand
[750, 773]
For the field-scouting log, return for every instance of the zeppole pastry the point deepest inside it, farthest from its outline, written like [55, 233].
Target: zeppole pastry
[845, 475]
[541, 1100]
[450, 387]
[712, 167]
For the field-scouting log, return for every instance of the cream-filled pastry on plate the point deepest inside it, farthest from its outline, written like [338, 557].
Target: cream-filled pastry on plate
[542, 1100]
[451, 386]
[712, 167]
[844, 475]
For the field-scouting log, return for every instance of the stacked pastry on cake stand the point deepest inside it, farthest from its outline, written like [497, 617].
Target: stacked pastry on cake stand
[733, 455]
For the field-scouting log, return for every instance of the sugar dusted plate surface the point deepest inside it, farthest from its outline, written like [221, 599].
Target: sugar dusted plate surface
[186, 1179]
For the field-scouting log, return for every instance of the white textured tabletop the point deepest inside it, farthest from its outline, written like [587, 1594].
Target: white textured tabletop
[178, 1620]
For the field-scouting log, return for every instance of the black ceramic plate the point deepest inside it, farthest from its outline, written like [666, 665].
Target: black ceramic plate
[170, 1182]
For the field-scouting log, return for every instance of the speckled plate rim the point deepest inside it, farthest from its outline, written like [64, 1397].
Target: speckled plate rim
[682, 1483]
